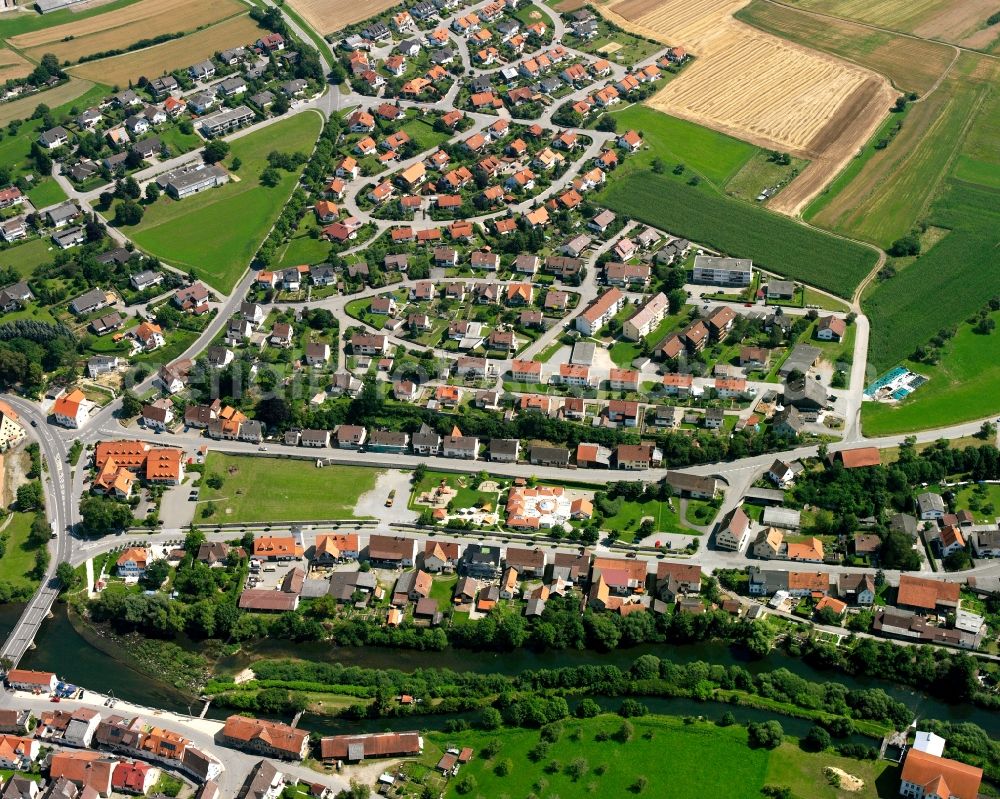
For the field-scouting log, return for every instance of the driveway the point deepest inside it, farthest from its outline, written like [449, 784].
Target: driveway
[372, 503]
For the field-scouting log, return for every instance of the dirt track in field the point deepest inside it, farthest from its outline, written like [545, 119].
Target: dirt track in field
[761, 88]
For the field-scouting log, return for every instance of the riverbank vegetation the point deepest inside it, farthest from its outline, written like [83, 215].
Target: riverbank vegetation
[539, 699]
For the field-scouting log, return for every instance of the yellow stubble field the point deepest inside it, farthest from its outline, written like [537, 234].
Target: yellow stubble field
[328, 16]
[761, 88]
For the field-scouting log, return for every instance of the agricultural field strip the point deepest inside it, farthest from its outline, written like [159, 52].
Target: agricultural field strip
[911, 64]
[327, 16]
[927, 19]
[161, 58]
[176, 16]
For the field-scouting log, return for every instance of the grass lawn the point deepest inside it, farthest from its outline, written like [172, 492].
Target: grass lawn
[302, 248]
[178, 142]
[824, 301]
[963, 386]
[987, 501]
[45, 193]
[803, 772]
[627, 520]
[270, 489]
[715, 759]
[715, 156]
[239, 214]
[760, 173]
[624, 352]
[27, 257]
[177, 342]
[442, 589]
[423, 134]
[619, 47]
[700, 512]
[18, 559]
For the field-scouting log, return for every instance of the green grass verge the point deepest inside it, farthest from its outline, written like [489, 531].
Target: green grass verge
[18, 559]
[238, 214]
[258, 489]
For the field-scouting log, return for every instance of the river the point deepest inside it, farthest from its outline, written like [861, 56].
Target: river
[102, 666]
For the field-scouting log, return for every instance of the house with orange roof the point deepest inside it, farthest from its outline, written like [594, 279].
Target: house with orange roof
[348, 168]
[519, 294]
[71, 409]
[448, 396]
[930, 776]
[266, 738]
[149, 336]
[606, 96]
[331, 548]
[86, 770]
[539, 217]
[836, 606]
[326, 211]
[630, 140]
[415, 87]
[18, 753]
[132, 562]
[275, 547]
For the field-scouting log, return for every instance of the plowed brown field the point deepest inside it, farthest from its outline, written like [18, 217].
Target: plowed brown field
[761, 88]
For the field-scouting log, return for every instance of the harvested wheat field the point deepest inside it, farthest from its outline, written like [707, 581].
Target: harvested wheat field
[761, 88]
[24, 107]
[13, 65]
[328, 16]
[911, 64]
[155, 61]
[118, 29]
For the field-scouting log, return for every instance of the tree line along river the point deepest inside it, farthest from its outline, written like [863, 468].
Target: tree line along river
[103, 665]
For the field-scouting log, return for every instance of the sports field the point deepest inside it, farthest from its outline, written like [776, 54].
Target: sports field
[281, 490]
[218, 231]
[155, 61]
[118, 29]
[671, 756]
[958, 21]
[328, 16]
[911, 64]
